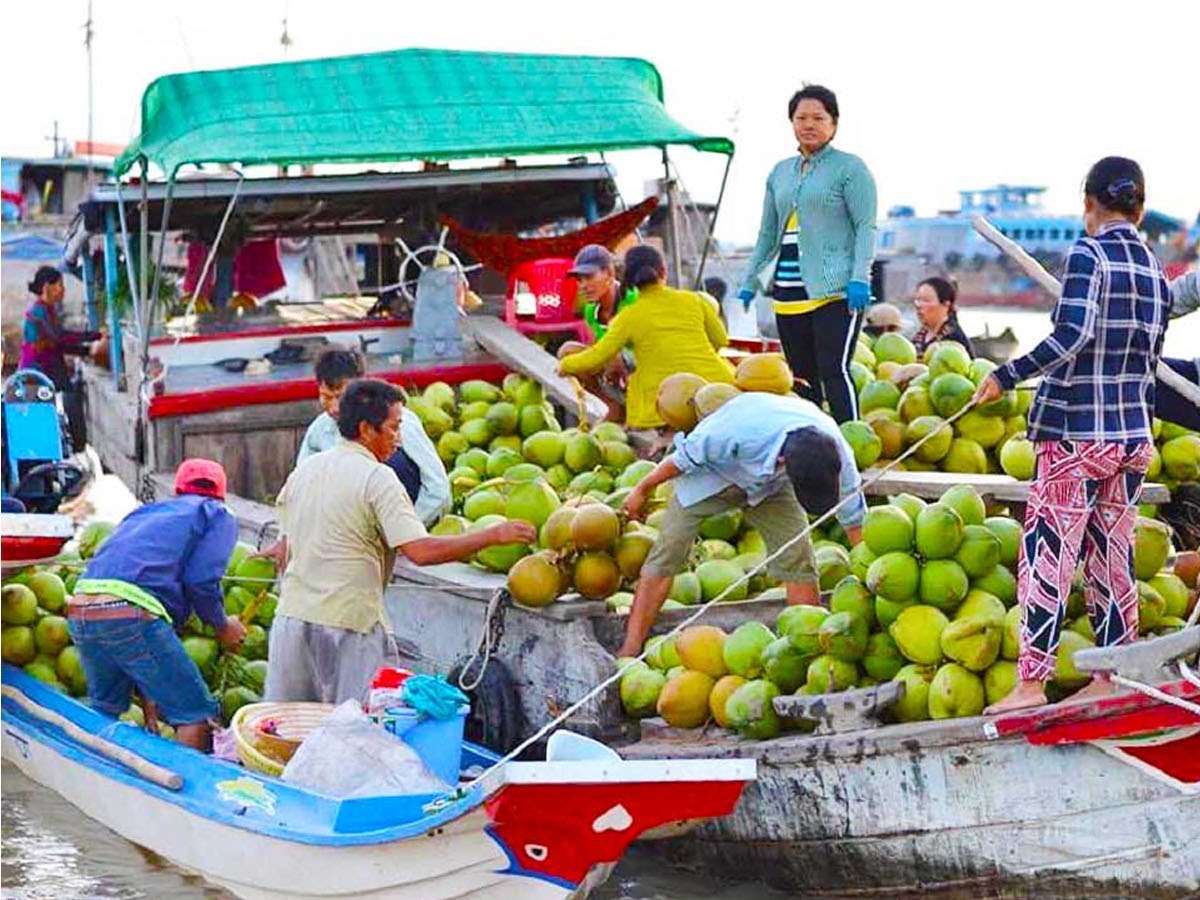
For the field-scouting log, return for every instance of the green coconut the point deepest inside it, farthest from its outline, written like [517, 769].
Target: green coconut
[917, 631]
[939, 531]
[955, 692]
[784, 665]
[895, 577]
[914, 705]
[882, 659]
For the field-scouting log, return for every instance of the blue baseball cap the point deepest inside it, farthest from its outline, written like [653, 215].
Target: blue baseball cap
[591, 259]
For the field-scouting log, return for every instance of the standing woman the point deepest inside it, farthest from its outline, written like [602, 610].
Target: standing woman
[935, 302]
[1091, 422]
[819, 220]
[44, 342]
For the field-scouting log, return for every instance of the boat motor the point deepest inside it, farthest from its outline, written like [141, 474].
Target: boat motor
[35, 470]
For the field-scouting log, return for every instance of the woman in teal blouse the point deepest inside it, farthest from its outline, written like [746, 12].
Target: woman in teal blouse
[818, 223]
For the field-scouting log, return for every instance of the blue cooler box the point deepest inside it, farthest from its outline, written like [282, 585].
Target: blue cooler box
[439, 742]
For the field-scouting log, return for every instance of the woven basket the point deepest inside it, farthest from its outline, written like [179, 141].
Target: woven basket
[269, 753]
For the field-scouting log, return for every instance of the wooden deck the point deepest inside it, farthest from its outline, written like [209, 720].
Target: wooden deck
[1002, 488]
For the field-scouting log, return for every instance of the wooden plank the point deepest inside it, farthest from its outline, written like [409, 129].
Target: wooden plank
[931, 485]
[144, 768]
[523, 355]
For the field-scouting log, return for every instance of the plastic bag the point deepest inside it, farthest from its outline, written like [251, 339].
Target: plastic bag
[350, 756]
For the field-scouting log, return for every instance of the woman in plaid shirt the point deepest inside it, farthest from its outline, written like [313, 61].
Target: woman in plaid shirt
[1091, 423]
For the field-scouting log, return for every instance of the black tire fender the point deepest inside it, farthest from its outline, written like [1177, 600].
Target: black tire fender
[495, 719]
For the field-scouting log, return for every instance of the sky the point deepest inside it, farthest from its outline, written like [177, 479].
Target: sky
[934, 96]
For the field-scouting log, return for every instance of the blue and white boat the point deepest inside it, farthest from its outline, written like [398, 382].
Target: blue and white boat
[548, 829]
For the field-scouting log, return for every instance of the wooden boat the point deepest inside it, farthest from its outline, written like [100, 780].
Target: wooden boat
[1095, 799]
[526, 829]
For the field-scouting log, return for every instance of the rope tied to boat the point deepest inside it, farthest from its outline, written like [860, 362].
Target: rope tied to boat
[489, 639]
[567, 713]
[1162, 696]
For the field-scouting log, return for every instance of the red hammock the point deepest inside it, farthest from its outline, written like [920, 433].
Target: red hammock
[503, 252]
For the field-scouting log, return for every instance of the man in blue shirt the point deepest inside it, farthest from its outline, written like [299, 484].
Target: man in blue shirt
[776, 457]
[162, 563]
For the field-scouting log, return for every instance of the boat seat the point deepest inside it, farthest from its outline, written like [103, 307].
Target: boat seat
[1149, 660]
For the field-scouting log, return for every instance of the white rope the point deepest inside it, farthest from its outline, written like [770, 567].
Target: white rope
[1154, 692]
[212, 253]
[484, 645]
[133, 294]
[713, 244]
[616, 676]
[1188, 675]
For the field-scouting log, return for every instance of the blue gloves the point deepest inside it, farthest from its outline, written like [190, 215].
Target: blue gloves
[747, 297]
[858, 295]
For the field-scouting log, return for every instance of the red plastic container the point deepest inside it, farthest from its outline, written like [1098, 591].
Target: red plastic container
[389, 677]
[548, 282]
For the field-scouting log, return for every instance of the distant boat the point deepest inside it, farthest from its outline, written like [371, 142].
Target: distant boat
[948, 239]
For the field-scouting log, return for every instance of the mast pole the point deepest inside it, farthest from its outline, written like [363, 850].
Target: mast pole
[88, 34]
[672, 225]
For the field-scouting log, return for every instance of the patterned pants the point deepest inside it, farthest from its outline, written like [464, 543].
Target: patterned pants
[1084, 498]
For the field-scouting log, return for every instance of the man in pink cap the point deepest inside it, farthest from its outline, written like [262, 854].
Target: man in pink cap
[161, 564]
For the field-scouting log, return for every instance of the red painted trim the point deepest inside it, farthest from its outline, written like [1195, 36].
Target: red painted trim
[30, 548]
[284, 331]
[1142, 721]
[197, 402]
[1108, 709]
[1179, 759]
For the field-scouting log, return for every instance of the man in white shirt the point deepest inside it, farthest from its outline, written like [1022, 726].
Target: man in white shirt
[343, 517]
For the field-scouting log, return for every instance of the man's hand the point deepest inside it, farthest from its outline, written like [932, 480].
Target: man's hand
[634, 503]
[232, 633]
[989, 390]
[277, 552]
[514, 531]
[747, 298]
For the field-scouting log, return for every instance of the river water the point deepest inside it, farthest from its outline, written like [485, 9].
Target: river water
[49, 851]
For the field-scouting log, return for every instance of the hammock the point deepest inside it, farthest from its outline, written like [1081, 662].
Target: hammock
[503, 252]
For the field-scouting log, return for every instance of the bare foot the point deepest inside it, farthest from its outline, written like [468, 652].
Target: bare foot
[1097, 689]
[1026, 695]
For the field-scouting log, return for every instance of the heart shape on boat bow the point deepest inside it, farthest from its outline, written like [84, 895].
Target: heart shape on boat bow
[616, 818]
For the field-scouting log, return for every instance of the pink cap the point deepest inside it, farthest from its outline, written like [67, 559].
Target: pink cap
[200, 476]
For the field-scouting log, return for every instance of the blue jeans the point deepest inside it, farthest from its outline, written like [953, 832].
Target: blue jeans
[120, 654]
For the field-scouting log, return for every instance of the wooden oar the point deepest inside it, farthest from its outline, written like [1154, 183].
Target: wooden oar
[152, 772]
[1034, 270]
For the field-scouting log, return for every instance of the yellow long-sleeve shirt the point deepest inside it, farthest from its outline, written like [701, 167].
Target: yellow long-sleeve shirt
[669, 331]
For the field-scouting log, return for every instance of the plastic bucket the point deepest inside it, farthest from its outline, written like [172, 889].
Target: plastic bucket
[439, 742]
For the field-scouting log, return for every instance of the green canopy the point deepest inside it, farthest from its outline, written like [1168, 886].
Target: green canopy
[404, 105]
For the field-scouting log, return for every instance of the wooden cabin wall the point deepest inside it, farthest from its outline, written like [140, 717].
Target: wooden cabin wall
[257, 445]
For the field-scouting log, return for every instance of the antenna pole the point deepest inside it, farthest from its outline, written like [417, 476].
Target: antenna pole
[87, 42]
